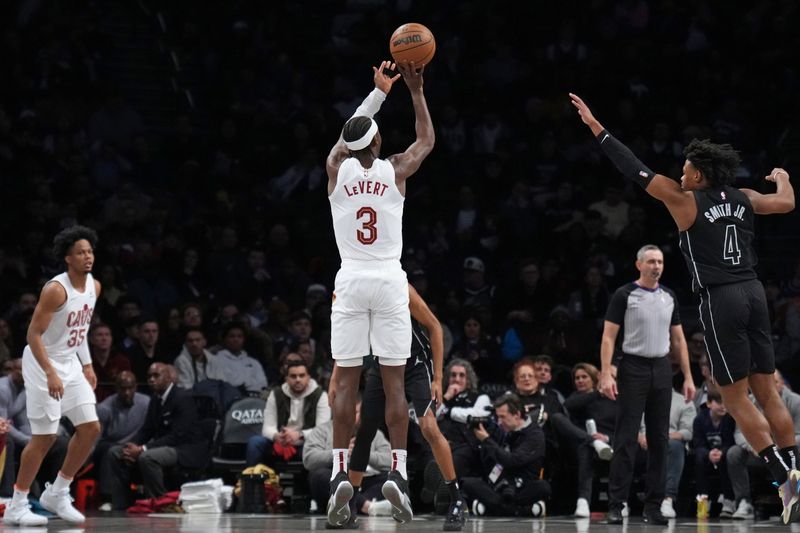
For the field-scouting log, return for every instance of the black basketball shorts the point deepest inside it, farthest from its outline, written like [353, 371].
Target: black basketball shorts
[417, 384]
[736, 321]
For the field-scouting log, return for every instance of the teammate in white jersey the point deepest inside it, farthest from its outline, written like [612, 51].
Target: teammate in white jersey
[59, 379]
[370, 300]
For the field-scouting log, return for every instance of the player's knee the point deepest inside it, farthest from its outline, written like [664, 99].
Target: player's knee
[429, 428]
[44, 441]
[89, 430]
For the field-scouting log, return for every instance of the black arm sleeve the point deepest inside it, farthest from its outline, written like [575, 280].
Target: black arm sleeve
[625, 161]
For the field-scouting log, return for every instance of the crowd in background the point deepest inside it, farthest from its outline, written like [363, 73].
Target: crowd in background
[516, 230]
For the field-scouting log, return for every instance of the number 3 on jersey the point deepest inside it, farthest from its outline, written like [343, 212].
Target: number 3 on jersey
[368, 232]
[731, 252]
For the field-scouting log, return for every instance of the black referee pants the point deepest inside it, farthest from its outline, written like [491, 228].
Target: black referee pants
[644, 386]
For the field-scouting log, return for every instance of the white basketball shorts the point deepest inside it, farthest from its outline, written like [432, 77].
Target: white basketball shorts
[44, 411]
[370, 309]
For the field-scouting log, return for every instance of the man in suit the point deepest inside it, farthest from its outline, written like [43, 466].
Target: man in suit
[170, 437]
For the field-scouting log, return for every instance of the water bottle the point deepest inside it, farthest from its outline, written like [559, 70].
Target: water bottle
[591, 427]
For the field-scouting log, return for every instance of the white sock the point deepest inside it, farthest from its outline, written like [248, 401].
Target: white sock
[20, 497]
[61, 483]
[399, 462]
[339, 461]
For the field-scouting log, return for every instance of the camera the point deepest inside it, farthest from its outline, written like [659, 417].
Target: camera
[474, 421]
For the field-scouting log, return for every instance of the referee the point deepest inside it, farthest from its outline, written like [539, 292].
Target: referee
[647, 313]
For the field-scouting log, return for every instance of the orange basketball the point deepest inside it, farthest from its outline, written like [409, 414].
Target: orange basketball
[412, 42]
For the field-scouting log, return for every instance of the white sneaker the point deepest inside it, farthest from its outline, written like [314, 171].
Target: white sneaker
[604, 451]
[60, 503]
[539, 509]
[380, 508]
[728, 507]
[744, 511]
[625, 511]
[478, 509]
[667, 509]
[20, 514]
[106, 507]
[582, 509]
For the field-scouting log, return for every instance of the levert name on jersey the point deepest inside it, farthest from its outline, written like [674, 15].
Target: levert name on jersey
[365, 187]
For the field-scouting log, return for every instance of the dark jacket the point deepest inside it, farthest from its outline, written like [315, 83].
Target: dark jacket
[520, 453]
[175, 424]
[585, 405]
[706, 437]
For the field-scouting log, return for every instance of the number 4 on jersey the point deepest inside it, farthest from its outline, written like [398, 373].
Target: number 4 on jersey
[731, 252]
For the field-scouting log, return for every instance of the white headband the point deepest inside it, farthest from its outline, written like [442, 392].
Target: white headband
[365, 140]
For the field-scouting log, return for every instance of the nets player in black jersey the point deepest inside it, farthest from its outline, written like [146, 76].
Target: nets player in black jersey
[423, 384]
[715, 221]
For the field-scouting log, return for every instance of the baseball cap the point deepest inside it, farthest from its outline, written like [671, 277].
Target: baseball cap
[474, 263]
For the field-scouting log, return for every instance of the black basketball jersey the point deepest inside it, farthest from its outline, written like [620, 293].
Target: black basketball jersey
[718, 247]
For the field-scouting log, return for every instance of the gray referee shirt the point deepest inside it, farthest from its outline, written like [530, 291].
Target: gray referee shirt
[645, 316]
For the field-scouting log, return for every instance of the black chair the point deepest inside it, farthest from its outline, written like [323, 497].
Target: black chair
[206, 407]
[243, 420]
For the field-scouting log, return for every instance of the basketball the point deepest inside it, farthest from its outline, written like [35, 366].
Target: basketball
[412, 42]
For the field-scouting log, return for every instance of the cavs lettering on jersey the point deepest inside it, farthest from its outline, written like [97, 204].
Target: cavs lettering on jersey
[718, 246]
[367, 211]
[70, 323]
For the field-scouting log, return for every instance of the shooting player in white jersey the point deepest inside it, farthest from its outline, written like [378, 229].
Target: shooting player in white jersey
[59, 379]
[370, 300]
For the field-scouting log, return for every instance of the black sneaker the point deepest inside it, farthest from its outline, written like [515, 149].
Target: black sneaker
[395, 489]
[456, 516]
[338, 504]
[432, 480]
[442, 499]
[652, 515]
[614, 514]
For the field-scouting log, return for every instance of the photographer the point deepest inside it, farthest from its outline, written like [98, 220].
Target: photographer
[461, 400]
[511, 464]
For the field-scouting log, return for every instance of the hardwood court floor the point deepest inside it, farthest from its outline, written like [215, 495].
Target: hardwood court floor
[234, 523]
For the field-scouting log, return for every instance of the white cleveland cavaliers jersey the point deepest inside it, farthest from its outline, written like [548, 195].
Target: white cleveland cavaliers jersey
[70, 324]
[367, 210]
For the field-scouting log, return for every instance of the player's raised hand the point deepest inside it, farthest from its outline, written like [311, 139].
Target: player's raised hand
[411, 74]
[585, 113]
[776, 173]
[383, 81]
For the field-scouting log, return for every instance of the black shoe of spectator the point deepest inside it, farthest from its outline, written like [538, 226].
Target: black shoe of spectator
[614, 515]
[652, 515]
[338, 504]
[456, 516]
[395, 489]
